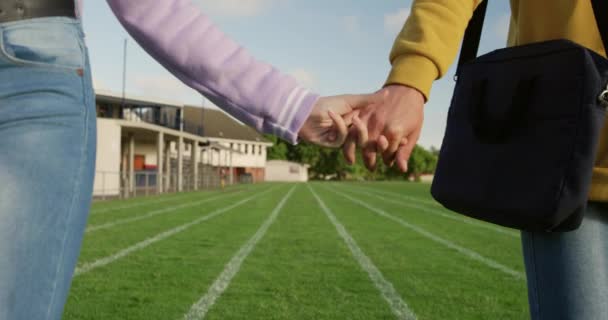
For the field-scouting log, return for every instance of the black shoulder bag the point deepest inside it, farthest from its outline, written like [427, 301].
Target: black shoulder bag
[522, 131]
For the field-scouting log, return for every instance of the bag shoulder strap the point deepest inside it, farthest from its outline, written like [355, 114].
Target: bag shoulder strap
[600, 10]
[472, 35]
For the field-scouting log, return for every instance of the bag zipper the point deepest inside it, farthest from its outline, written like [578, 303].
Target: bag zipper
[603, 98]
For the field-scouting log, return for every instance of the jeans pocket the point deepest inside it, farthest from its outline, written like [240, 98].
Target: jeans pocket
[41, 43]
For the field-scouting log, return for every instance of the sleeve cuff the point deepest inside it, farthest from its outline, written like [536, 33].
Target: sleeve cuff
[293, 126]
[415, 71]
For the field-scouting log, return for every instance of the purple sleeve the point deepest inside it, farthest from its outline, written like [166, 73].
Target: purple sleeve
[189, 45]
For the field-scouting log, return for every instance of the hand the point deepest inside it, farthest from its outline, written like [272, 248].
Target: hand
[330, 118]
[391, 127]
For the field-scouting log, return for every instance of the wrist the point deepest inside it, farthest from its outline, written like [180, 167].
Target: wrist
[413, 70]
[300, 121]
[406, 91]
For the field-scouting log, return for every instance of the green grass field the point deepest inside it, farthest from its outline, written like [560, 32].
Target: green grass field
[295, 251]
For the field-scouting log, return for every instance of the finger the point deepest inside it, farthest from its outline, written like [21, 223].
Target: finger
[332, 136]
[350, 147]
[394, 158]
[405, 151]
[388, 154]
[382, 144]
[348, 118]
[388, 149]
[362, 133]
[369, 156]
[341, 130]
[401, 158]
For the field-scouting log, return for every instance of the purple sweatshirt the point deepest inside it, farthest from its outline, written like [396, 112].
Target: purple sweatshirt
[179, 36]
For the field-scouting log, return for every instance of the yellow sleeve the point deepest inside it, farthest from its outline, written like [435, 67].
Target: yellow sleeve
[429, 42]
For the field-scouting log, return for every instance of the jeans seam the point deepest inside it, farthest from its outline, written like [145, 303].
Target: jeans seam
[77, 184]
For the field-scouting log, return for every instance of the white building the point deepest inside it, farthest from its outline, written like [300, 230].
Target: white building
[149, 146]
[248, 158]
[286, 171]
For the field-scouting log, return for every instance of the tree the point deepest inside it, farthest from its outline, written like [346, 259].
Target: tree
[421, 161]
[329, 163]
[434, 151]
[278, 151]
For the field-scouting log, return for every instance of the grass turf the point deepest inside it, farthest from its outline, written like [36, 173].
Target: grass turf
[301, 268]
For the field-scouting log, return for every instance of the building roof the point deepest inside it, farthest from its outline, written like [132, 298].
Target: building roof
[217, 124]
[209, 123]
[114, 97]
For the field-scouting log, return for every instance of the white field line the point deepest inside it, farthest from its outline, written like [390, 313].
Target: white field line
[396, 303]
[139, 204]
[402, 196]
[88, 266]
[467, 252]
[156, 212]
[455, 217]
[201, 307]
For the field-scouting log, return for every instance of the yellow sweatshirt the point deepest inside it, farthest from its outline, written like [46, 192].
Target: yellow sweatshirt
[428, 43]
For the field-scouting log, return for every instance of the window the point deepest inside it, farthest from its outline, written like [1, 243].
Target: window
[246, 149]
[104, 111]
[260, 152]
[294, 169]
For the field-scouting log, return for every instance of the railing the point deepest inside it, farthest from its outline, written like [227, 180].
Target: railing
[154, 115]
[117, 185]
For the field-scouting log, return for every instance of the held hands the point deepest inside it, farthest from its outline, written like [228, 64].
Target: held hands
[330, 118]
[391, 127]
[387, 122]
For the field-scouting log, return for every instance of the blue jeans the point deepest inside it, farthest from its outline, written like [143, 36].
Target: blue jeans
[47, 158]
[568, 272]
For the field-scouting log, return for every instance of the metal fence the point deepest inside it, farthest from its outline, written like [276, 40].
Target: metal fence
[117, 185]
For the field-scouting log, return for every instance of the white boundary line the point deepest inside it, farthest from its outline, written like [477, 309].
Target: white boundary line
[396, 303]
[403, 196]
[467, 252]
[156, 212]
[422, 207]
[139, 204]
[201, 307]
[88, 266]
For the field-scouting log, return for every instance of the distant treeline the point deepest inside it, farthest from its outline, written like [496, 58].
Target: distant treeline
[330, 164]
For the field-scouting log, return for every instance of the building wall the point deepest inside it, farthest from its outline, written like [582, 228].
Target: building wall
[112, 156]
[148, 151]
[108, 158]
[427, 178]
[258, 174]
[253, 154]
[278, 170]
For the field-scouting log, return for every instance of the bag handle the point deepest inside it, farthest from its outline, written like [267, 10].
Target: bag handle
[472, 35]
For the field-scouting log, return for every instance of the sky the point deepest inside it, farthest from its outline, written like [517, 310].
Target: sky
[331, 46]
